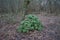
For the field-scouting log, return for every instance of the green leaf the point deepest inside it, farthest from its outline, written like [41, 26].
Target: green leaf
[31, 22]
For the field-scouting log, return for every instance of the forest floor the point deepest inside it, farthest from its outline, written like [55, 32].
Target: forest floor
[51, 30]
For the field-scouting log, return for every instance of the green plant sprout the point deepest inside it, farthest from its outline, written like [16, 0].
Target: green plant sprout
[30, 23]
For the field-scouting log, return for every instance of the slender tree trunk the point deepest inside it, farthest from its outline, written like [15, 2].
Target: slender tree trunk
[26, 3]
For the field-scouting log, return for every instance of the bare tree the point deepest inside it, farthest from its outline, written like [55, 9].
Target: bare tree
[26, 3]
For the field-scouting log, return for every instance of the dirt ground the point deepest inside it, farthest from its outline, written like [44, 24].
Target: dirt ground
[51, 30]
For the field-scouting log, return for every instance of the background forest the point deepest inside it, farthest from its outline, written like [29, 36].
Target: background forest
[13, 11]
